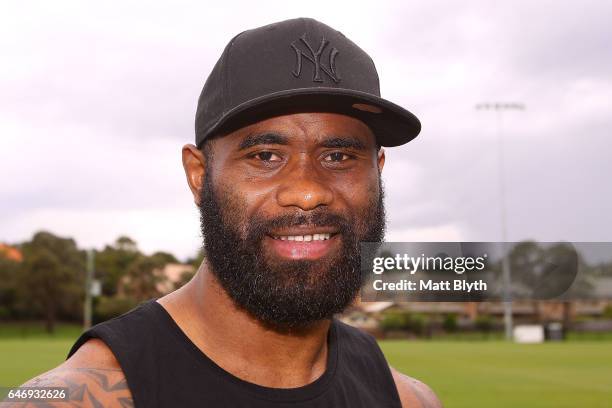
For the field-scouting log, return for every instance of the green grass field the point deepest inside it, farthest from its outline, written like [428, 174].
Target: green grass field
[498, 374]
[463, 373]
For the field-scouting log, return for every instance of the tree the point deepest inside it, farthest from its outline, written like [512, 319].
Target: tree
[164, 257]
[526, 261]
[572, 276]
[143, 277]
[127, 244]
[450, 323]
[197, 261]
[112, 263]
[184, 278]
[9, 271]
[51, 278]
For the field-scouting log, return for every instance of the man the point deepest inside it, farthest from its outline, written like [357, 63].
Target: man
[286, 174]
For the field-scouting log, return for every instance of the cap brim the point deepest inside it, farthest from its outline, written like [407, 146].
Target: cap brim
[391, 124]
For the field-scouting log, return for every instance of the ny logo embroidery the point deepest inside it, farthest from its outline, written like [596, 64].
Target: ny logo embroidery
[315, 57]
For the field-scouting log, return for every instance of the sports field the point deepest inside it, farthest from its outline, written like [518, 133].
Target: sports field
[497, 374]
[463, 373]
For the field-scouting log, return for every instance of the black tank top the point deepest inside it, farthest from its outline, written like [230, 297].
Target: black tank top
[164, 368]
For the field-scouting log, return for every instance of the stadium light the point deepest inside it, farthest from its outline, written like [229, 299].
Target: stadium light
[499, 108]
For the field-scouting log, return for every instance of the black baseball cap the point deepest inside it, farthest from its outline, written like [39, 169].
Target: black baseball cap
[297, 65]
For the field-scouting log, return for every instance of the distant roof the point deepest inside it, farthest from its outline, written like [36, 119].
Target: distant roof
[9, 252]
[374, 307]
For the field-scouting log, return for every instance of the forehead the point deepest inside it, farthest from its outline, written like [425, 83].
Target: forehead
[305, 128]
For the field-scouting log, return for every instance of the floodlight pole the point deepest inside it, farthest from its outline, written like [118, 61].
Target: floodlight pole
[88, 284]
[506, 272]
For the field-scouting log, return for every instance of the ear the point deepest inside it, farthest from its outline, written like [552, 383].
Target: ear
[381, 159]
[194, 164]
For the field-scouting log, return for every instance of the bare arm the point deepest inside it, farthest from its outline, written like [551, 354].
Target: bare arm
[413, 393]
[92, 376]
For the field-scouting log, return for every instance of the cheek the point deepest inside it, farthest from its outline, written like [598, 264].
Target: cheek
[365, 206]
[241, 203]
[232, 205]
[254, 194]
[359, 195]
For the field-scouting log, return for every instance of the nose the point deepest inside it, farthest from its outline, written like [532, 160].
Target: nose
[302, 187]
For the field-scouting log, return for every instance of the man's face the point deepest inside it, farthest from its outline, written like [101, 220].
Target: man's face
[284, 204]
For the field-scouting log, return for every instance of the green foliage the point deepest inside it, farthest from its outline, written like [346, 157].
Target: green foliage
[50, 279]
[109, 307]
[122, 267]
[184, 278]
[127, 244]
[607, 313]
[164, 258]
[418, 323]
[49, 283]
[112, 263]
[197, 261]
[394, 321]
[484, 323]
[143, 277]
[450, 323]
[412, 322]
[9, 271]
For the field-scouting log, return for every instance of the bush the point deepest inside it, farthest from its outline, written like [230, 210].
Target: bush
[450, 323]
[109, 307]
[607, 313]
[395, 321]
[415, 323]
[484, 323]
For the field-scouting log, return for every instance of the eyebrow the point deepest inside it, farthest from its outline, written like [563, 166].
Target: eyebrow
[343, 142]
[255, 139]
[262, 138]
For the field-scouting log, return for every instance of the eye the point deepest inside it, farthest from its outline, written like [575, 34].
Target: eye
[267, 156]
[337, 157]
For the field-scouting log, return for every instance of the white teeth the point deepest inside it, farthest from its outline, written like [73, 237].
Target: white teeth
[306, 238]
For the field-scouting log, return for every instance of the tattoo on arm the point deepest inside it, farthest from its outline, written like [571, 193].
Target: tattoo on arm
[87, 387]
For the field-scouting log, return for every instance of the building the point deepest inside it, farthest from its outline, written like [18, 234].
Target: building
[11, 253]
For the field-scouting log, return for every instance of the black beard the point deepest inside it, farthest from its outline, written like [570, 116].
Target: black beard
[285, 294]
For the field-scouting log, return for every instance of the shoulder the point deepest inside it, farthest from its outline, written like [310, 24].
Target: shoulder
[92, 376]
[414, 393]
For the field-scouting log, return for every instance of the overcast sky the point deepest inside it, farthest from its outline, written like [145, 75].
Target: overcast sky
[97, 99]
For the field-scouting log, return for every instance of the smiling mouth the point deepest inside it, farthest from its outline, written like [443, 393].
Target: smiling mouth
[303, 238]
[299, 245]
[305, 242]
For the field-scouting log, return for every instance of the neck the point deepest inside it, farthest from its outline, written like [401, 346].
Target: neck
[241, 344]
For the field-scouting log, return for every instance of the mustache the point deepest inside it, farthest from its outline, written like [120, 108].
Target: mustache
[260, 226]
